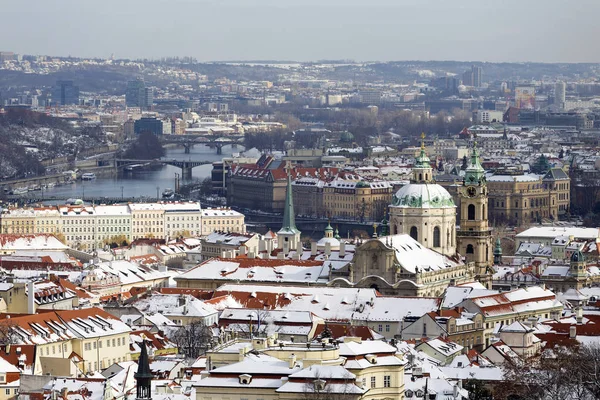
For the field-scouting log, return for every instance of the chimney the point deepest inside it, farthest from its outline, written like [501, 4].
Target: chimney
[30, 298]
[579, 315]
[292, 360]
[455, 391]
[242, 250]
[280, 255]
[572, 332]
[7, 349]
[327, 249]
[241, 354]
[251, 254]
[286, 247]
[313, 248]
[342, 249]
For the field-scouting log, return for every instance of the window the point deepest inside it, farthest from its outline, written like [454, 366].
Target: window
[436, 237]
[414, 233]
[470, 249]
[380, 328]
[373, 382]
[387, 381]
[387, 327]
[471, 212]
[7, 391]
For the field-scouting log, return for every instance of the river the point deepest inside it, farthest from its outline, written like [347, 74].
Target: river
[145, 182]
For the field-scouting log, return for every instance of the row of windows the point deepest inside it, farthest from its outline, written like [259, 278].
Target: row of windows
[115, 342]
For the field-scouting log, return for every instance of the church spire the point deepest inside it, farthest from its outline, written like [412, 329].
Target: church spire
[289, 218]
[143, 375]
[288, 237]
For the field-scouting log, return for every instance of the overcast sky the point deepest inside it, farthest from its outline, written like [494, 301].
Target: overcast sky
[303, 30]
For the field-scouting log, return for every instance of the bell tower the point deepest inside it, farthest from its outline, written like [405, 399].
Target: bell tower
[474, 237]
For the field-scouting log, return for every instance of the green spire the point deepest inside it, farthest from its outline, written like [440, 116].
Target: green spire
[337, 234]
[289, 218]
[498, 252]
[498, 247]
[474, 174]
[422, 161]
[328, 228]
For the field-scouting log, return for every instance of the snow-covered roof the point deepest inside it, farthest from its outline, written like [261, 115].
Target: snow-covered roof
[260, 270]
[412, 255]
[174, 305]
[551, 232]
[422, 195]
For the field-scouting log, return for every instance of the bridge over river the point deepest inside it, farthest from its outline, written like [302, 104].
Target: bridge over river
[185, 165]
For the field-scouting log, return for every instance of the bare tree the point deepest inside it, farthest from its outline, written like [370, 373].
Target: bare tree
[193, 340]
[557, 374]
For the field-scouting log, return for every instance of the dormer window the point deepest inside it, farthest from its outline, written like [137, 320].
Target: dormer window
[319, 385]
[245, 379]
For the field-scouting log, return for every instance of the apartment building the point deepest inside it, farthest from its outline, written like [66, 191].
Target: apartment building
[223, 220]
[87, 227]
[71, 342]
[182, 219]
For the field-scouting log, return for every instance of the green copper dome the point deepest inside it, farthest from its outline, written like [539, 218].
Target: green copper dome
[422, 195]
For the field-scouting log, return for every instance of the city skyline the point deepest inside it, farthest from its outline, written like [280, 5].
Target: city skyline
[383, 30]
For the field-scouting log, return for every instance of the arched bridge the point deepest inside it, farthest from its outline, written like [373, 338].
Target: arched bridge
[189, 140]
[185, 165]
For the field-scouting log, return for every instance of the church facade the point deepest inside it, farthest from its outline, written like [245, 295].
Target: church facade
[425, 253]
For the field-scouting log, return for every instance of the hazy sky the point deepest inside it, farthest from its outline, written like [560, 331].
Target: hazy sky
[505, 30]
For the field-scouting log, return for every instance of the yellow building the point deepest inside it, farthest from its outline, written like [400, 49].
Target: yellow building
[147, 220]
[73, 342]
[265, 368]
[524, 199]
[223, 220]
[18, 221]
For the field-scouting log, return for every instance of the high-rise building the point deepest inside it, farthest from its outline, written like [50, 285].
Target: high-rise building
[138, 95]
[65, 93]
[473, 77]
[467, 78]
[477, 75]
[559, 94]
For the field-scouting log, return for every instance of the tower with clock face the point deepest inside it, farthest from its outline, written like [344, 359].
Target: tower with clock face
[474, 238]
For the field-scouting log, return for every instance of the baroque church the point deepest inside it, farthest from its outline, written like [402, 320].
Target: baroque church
[425, 253]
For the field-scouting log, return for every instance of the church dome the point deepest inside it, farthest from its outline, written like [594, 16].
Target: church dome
[334, 244]
[422, 195]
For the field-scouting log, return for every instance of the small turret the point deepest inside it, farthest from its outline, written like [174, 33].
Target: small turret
[498, 252]
[422, 171]
[143, 376]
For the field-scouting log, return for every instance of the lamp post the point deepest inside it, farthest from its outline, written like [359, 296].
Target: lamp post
[157, 189]
[121, 192]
